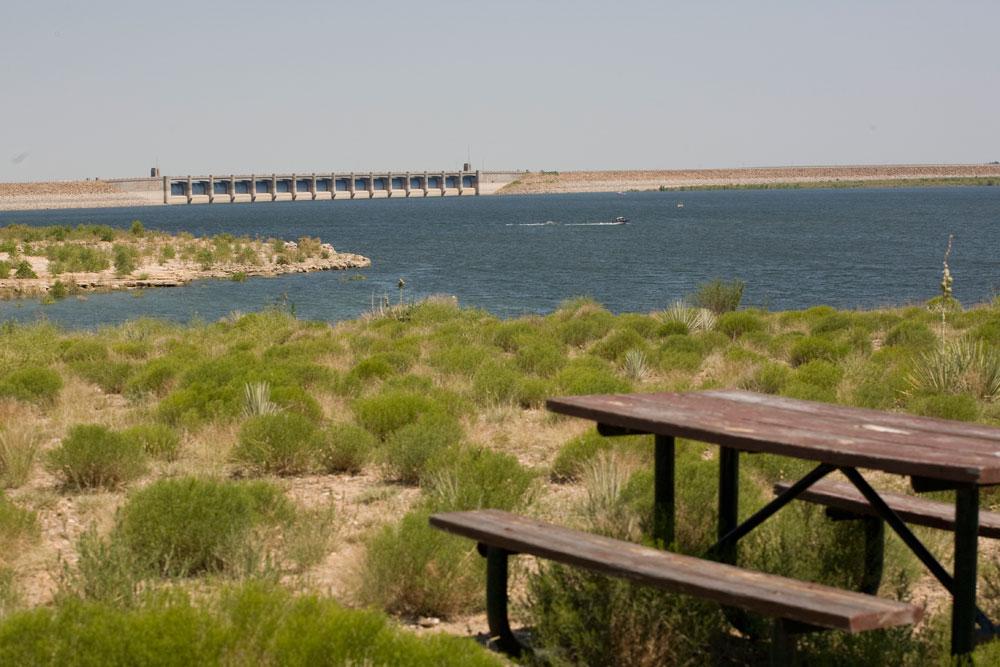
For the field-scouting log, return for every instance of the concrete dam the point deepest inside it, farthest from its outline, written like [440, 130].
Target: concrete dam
[234, 188]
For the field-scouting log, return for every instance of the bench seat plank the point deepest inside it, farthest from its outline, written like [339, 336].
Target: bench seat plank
[766, 594]
[911, 509]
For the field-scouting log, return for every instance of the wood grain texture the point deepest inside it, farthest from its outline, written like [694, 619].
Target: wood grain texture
[911, 509]
[766, 594]
[901, 444]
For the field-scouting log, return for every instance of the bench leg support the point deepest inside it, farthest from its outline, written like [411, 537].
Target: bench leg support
[663, 490]
[963, 615]
[782, 652]
[874, 555]
[496, 601]
[963, 585]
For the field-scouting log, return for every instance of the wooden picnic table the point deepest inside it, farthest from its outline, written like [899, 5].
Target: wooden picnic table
[936, 454]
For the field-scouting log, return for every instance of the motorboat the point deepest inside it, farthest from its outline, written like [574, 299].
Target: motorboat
[620, 220]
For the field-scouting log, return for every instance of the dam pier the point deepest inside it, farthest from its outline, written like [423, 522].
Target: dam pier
[235, 188]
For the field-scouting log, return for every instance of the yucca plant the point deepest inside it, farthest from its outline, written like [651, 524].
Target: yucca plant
[959, 366]
[257, 400]
[692, 317]
[604, 479]
[635, 365]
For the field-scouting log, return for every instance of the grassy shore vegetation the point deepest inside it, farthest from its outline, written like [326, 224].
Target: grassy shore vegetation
[257, 489]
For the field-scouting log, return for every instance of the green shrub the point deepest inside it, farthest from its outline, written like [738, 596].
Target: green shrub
[829, 322]
[254, 623]
[459, 359]
[295, 399]
[386, 412]
[184, 526]
[346, 448]
[157, 440]
[413, 569]
[988, 332]
[644, 325]
[408, 449]
[718, 296]
[616, 344]
[24, 270]
[810, 348]
[532, 392]
[681, 352]
[672, 328]
[585, 325]
[809, 392]
[577, 452]
[19, 444]
[83, 349]
[589, 376]
[820, 373]
[282, 444]
[769, 378]
[16, 524]
[908, 333]
[881, 382]
[495, 384]
[110, 376]
[582, 618]
[541, 357]
[961, 407]
[475, 478]
[509, 334]
[155, 377]
[92, 456]
[33, 384]
[737, 323]
[76, 258]
[133, 349]
[5, 269]
[126, 259]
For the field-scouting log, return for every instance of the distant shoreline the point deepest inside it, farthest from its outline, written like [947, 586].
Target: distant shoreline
[104, 194]
[754, 178]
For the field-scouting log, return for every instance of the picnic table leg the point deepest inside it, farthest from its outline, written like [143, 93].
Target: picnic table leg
[496, 600]
[663, 490]
[963, 615]
[729, 496]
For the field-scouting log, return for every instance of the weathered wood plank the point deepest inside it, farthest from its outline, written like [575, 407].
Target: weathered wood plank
[766, 594]
[804, 429]
[911, 509]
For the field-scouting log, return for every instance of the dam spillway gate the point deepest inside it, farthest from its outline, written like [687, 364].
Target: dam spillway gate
[292, 187]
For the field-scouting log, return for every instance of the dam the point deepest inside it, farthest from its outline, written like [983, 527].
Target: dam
[235, 188]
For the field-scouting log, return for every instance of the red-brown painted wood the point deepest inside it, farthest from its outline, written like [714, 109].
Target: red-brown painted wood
[766, 594]
[911, 509]
[902, 444]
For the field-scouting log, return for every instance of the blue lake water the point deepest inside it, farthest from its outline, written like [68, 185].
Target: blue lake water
[793, 248]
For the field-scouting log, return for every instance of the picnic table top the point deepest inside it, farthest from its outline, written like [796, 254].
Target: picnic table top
[902, 444]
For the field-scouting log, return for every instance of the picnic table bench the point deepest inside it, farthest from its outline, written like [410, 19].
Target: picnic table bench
[797, 606]
[935, 454]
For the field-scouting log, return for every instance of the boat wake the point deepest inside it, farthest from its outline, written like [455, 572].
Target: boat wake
[532, 224]
[592, 224]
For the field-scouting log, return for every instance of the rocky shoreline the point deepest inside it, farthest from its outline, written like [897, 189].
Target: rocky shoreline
[158, 260]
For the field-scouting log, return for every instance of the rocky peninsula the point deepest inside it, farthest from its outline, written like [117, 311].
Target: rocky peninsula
[59, 261]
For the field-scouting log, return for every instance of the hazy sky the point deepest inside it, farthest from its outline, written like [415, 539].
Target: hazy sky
[108, 88]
